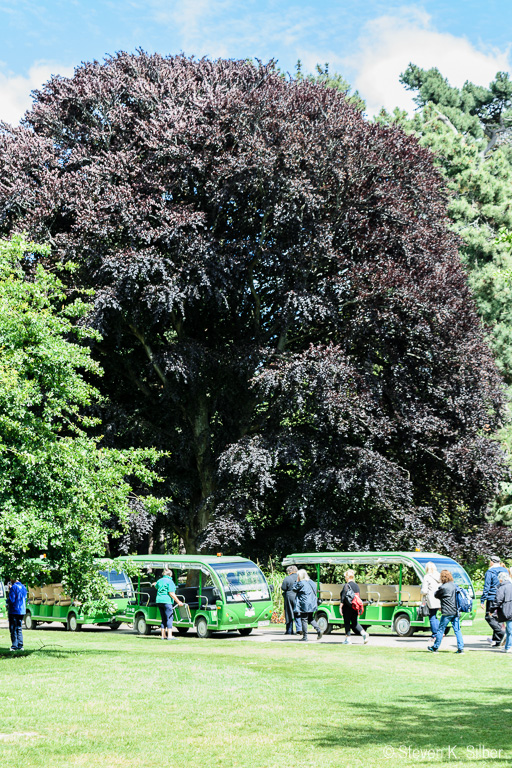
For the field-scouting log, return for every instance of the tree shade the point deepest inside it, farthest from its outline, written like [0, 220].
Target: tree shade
[281, 303]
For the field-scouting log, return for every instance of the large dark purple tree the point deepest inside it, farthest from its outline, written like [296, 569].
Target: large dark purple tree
[282, 306]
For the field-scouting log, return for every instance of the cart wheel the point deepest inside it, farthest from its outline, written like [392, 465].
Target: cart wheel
[202, 628]
[73, 624]
[181, 630]
[114, 624]
[29, 621]
[141, 626]
[323, 623]
[245, 631]
[402, 625]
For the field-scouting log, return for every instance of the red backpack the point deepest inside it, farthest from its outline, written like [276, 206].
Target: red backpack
[357, 604]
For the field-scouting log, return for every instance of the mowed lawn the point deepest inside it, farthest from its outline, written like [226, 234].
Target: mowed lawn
[105, 699]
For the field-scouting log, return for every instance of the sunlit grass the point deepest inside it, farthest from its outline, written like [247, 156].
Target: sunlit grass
[100, 698]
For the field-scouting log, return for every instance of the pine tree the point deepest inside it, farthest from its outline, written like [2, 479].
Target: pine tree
[470, 132]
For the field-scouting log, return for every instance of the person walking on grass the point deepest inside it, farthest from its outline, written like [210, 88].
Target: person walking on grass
[16, 609]
[350, 614]
[488, 599]
[165, 598]
[504, 607]
[290, 601]
[446, 593]
[307, 603]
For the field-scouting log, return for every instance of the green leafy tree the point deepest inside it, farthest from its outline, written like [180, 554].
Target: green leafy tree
[282, 308]
[469, 130]
[58, 487]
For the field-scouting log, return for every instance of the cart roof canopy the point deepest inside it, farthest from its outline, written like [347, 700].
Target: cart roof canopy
[183, 562]
[415, 560]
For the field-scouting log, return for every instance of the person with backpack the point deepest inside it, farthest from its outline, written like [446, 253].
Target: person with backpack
[307, 603]
[488, 599]
[504, 607]
[447, 594]
[350, 602]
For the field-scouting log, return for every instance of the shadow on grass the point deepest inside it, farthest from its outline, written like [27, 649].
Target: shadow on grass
[55, 651]
[430, 722]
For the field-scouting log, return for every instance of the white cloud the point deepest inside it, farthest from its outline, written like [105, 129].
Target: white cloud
[15, 89]
[227, 28]
[389, 43]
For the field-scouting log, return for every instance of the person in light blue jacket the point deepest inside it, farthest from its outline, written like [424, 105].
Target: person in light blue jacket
[16, 609]
[307, 604]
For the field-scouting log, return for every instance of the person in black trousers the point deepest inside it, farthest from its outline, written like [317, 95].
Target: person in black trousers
[307, 604]
[350, 615]
[488, 599]
[290, 599]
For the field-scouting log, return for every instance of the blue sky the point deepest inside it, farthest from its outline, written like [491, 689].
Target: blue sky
[369, 42]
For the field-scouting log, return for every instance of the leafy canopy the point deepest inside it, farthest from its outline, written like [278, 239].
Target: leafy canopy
[469, 130]
[57, 486]
[280, 301]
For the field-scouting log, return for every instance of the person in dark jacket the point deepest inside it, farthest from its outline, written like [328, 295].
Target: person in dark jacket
[449, 612]
[16, 609]
[290, 601]
[350, 615]
[491, 584]
[307, 603]
[504, 606]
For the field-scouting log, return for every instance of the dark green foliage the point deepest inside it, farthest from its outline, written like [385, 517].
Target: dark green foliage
[281, 304]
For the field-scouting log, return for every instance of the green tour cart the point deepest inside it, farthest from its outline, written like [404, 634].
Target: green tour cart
[221, 594]
[393, 603]
[48, 603]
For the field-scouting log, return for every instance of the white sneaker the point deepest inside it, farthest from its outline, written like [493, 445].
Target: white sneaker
[347, 641]
[507, 651]
[366, 637]
[489, 640]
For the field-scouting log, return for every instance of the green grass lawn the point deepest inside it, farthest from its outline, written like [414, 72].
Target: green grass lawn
[105, 699]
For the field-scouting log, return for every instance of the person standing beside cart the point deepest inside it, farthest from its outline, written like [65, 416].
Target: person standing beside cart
[290, 601]
[350, 614]
[16, 609]
[307, 603]
[429, 586]
[165, 598]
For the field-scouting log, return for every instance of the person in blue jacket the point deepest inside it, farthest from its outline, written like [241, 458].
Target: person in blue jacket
[16, 608]
[491, 584]
[306, 603]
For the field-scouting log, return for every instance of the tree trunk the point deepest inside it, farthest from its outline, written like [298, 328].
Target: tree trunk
[200, 423]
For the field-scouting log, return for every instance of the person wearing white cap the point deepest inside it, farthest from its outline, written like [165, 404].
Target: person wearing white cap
[491, 584]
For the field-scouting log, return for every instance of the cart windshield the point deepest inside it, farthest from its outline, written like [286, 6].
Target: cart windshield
[239, 579]
[460, 576]
[120, 582]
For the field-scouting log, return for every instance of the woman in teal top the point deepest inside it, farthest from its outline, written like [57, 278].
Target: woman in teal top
[165, 597]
